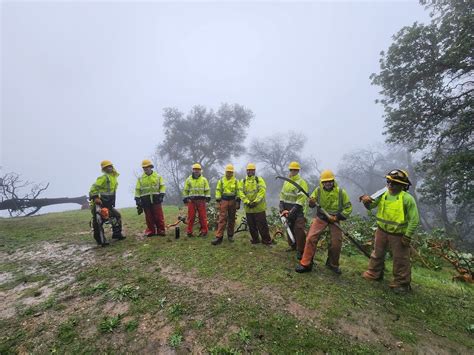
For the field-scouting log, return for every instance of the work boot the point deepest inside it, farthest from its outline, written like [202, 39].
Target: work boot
[189, 235]
[301, 268]
[217, 241]
[203, 234]
[230, 238]
[366, 275]
[334, 269]
[299, 255]
[255, 241]
[118, 236]
[401, 290]
[104, 244]
[161, 233]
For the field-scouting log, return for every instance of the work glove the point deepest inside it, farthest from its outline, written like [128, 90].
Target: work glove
[138, 201]
[406, 241]
[98, 201]
[284, 213]
[237, 204]
[332, 219]
[208, 199]
[251, 204]
[282, 206]
[312, 202]
[139, 210]
[161, 197]
[186, 200]
[294, 210]
[366, 199]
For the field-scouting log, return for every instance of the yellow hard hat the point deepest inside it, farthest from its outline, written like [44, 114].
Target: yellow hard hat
[294, 165]
[229, 167]
[400, 176]
[105, 163]
[251, 166]
[146, 163]
[197, 166]
[327, 175]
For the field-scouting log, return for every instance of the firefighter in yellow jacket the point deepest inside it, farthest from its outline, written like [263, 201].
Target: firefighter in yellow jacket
[149, 193]
[397, 219]
[103, 193]
[293, 206]
[335, 201]
[228, 202]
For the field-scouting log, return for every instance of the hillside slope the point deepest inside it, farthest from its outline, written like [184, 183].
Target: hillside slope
[61, 293]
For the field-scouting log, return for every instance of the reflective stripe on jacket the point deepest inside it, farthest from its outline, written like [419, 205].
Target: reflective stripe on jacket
[253, 189]
[152, 184]
[105, 186]
[290, 194]
[397, 214]
[334, 201]
[227, 188]
[196, 187]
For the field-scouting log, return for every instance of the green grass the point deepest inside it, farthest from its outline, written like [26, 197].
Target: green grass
[126, 288]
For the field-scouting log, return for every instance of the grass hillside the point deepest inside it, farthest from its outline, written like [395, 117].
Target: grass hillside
[62, 294]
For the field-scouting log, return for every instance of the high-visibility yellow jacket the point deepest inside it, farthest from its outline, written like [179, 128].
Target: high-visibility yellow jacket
[397, 214]
[227, 188]
[105, 186]
[149, 185]
[335, 202]
[196, 187]
[290, 194]
[253, 189]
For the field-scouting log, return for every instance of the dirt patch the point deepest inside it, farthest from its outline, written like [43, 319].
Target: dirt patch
[57, 263]
[6, 277]
[366, 327]
[115, 308]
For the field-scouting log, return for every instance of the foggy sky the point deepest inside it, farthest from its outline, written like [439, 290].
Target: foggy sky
[82, 82]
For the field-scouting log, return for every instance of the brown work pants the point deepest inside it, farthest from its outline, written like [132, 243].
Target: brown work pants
[334, 251]
[257, 223]
[227, 210]
[297, 228]
[401, 259]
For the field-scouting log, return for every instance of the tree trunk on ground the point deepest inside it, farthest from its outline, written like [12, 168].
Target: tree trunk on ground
[20, 204]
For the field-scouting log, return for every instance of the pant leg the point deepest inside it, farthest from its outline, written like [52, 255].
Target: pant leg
[377, 258]
[191, 216]
[222, 219]
[201, 205]
[334, 250]
[159, 218]
[150, 223]
[96, 227]
[299, 233]
[231, 211]
[252, 223]
[262, 225]
[116, 221]
[401, 261]
[315, 230]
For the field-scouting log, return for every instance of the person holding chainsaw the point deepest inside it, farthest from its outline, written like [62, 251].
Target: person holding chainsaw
[252, 194]
[102, 197]
[335, 201]
[196, 194]
[149, 193]
[293, 207]
[227, 203]
[397, 219]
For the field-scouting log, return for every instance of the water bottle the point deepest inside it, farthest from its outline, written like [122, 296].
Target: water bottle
[176, 232]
